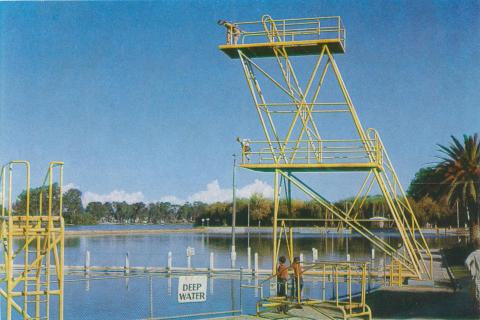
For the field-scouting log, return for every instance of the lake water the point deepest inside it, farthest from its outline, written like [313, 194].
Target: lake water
[140, 297]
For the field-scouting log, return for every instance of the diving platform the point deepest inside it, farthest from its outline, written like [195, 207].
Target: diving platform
[293, 48]
[293, 37]
[327, 155]
[316, 167]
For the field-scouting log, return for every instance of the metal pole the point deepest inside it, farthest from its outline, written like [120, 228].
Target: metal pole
[212, 261]
[275, 215]
[248, 224]
[87, 261]
[127, 264]
[234, 210]
[346, 237]
[169, 260]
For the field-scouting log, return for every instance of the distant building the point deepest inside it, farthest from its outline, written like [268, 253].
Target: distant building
[378, 222]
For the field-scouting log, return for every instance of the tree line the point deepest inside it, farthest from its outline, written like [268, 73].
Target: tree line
[105, 212]
[257, 209]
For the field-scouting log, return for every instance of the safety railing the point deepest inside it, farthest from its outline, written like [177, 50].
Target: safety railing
[311, 151]
[49, 179]
[402, 209]
[6, 194]
[346, 290]
[286, 30]
[41, 235]
[7, 186]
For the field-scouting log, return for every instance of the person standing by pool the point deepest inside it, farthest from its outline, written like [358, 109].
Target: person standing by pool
[282, 277]
[297, 278]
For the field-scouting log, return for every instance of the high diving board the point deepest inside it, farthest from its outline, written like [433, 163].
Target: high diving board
[297, 37]
[293, 48]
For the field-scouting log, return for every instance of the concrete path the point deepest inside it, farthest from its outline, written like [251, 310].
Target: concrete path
[441, 274]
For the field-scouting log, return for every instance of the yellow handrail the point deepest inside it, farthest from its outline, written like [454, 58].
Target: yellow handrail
[10, 165]
[301, 151]
[285, 30]
[413, 227]
[49, 177]
[335, 266]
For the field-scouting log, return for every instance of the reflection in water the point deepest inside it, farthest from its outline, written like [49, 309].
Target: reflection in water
[152, 250]
[71, 242]
[87, 282]
[169, 290]
[211, 284]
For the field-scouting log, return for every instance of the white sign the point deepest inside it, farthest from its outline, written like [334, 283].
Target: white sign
[192, 289]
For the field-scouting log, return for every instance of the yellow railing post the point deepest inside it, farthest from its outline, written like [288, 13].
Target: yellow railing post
[338, 28]
[364, 280]
[290, 230]
[22, 224]
[9, 270]
[336, 284]
[349, 288]
[392, 263]
[399, 275]
[275, 218]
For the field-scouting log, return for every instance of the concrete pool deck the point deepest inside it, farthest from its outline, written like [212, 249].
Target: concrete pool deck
[441, 300]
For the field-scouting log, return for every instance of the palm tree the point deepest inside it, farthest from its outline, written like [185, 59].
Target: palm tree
[459, 171]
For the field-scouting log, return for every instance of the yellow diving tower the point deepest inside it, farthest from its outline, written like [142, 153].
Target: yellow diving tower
[32, 283]
[298, 110]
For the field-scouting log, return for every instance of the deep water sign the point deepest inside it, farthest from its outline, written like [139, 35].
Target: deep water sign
[192, 289]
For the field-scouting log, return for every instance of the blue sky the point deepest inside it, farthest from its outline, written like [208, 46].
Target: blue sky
[138, 101]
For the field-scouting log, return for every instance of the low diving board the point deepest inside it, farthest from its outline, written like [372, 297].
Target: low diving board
[313, 167]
